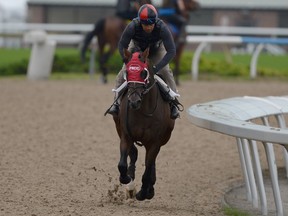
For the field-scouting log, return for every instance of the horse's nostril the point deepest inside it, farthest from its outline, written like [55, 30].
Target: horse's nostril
[135, 104]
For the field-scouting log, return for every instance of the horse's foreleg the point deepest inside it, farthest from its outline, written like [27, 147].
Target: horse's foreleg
[148, 181]
[133, 154]
[149, 176]
[122, 165]
[130, 187]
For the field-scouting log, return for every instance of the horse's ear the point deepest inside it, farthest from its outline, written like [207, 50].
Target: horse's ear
[127, 54]
[146, 53]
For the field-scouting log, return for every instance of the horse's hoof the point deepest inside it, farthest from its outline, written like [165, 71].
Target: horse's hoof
[150, 193]
[140, 196]
[130, 190]
[125, 180]
[130, 194]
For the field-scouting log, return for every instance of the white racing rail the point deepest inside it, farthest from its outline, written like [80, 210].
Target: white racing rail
[205, 40]
[233, 117]
[73, 34]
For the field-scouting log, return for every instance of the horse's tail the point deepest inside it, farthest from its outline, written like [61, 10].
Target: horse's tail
[98, 28]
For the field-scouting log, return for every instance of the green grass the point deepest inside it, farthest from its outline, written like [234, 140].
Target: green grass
[234, 212]
[264, 60]
[10, 56]
[216, 65]
[268, 62]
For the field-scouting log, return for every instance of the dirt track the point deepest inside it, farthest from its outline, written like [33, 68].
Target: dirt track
[59, 154]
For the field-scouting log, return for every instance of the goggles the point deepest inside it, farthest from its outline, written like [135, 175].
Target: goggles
[149, 21]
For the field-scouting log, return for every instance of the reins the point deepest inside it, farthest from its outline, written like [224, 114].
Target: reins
[148, 114]
[140, 83]
[156, 102]
[134, 91]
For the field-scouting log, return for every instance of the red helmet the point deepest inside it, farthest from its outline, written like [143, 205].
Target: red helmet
[147, 14]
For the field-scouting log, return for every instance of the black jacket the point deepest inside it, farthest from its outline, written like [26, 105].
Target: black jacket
[142, 40]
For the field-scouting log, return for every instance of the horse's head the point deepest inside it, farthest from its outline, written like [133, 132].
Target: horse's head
[137, 75]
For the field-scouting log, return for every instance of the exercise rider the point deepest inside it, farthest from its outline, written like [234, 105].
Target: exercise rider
[147, 30]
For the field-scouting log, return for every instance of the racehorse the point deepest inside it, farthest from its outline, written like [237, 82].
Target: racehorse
[190, 5]
[108, 32]
[143, 119]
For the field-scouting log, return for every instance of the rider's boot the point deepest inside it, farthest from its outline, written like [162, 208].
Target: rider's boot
[174, 111]
[114, 109]
[170, 96]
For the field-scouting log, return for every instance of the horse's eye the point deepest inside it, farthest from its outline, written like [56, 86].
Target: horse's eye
[143, 74]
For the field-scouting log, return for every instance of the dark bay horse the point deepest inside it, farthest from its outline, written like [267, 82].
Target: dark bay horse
[108, 32]
[144, 119]
[189, 5]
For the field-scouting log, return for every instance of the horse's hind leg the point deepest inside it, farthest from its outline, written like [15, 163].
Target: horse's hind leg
[103, 64]
[133, 154]
[179, 50]
[102, 60]
[149, 176]
[104, 71]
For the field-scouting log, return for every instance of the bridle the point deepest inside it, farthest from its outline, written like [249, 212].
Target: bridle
[139, 77]
[134, 90]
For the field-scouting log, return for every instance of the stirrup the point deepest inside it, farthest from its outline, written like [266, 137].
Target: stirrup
[114, 108]
[174, 112]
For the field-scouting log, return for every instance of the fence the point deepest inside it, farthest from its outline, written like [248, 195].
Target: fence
[20, 28]
[74, 33]
[205, 40]
[235, 117]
